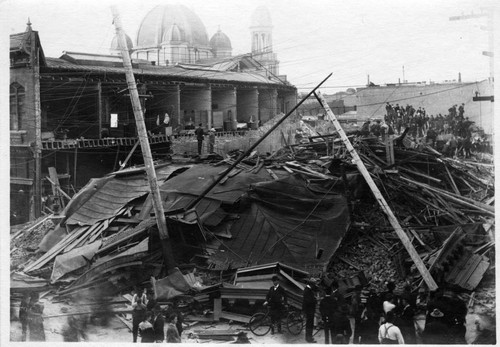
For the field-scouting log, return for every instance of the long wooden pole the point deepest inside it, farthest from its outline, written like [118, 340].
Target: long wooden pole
[143, 138]
[380, 198]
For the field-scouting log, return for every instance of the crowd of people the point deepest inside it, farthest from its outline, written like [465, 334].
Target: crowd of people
[387, 317]
[454, 127]
[148, 320]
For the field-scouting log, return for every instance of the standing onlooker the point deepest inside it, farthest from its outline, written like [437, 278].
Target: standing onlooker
[276, 299]
[23, 314]
[356, 310]
[211, 140]
[139, 302]
[35, 319]
[200, 134]
[341, 326]
[172, 332]
[151, 303]
[406, 321]
[158, 324]
[327, 307]
[436, 331]
[388, 333]
[309, 308]
[146, 328]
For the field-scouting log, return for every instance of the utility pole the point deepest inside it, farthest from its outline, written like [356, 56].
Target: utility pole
[379, 197]
[143, 139]
[37, 150]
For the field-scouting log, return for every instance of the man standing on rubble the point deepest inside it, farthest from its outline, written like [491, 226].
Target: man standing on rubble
[309, 308]
[199, 136]
[139, 302]
[276, 299]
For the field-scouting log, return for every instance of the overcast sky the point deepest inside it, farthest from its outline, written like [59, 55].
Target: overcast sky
[352, 38]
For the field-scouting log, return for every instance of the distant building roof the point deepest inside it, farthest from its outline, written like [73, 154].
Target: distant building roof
[98, 63]
[220, 41]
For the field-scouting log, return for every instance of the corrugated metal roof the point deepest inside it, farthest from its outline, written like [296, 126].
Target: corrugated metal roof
[195, 180]
[283, 225]
[106, 200]
[174, 72]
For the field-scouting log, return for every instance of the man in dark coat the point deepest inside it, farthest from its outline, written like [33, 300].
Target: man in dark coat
[276, 299]
[200, 134]
[405, 321]
[158, 324]
[341, 326]
[23, 315]
[327, 308]
[309, 308]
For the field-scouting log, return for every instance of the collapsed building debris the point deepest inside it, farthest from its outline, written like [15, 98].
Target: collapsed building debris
[305, 205]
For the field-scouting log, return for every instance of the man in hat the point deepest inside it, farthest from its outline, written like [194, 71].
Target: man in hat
[405, 320]
[309, 308]
[200, 134]
[436, 331]
[139, 302]
[327, 308]
[276, 299]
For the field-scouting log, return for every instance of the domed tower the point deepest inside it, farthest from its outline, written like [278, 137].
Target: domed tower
[221, 45]
[261, 28]
[171, 34]
[115, 49]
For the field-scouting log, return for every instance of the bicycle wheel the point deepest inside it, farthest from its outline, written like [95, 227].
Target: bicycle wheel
[260, 324]
[294, 323]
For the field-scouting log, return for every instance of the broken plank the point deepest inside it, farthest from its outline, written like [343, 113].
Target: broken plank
[124, 321]
[452, 181]
[272, 174]
[235, 317]
[83, 237]
[457, 199]
[234, 172]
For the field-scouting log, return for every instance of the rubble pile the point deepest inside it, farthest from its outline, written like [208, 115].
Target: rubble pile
[444, 205]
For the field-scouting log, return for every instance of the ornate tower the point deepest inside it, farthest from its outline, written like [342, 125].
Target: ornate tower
[261, 29]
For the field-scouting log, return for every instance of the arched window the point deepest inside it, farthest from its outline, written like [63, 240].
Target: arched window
[17, 106]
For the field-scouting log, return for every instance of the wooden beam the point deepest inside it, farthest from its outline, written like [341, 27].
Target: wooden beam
[452, 181]
[457, 199]
[379, 197]
[54, 185]
[56, 188]
[167, 252]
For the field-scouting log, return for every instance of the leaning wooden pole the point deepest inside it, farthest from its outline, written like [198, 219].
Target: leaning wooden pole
[380, 198]
[143, 139]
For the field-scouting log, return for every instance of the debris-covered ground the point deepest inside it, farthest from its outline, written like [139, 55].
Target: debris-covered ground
[105, 244]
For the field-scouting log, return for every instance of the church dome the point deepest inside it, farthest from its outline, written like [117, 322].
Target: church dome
[116, 48]
[161, 19]
[174, 33]
[220, 41]
[261, 17]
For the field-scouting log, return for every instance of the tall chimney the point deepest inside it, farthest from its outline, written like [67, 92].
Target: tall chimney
[459, 77]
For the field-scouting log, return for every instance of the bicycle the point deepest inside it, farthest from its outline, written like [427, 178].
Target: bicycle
[260, 322]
